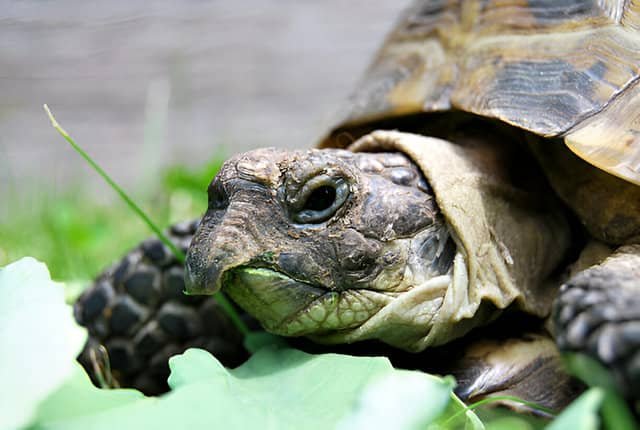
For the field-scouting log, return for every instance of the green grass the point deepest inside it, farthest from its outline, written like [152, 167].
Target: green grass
[143, 216]
[77, 236]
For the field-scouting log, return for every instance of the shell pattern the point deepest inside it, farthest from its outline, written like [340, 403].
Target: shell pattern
[558, 68]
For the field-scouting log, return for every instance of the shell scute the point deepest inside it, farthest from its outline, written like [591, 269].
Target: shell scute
[552, 67]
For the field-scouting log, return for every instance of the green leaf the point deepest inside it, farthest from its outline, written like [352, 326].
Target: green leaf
[616, 414]
[509, 423]
[457, 416]
[400, 400]
[615, 411]
[277, 388]
[193, 366]
[39, 339]
[589, 370]
[78, 397]
[582, 413]
[504, 418]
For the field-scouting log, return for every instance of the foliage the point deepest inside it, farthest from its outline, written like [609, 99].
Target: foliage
[582, 413]
[313, 391]
[278, 387]
[77, 236]
[614, 410]
[33, 319]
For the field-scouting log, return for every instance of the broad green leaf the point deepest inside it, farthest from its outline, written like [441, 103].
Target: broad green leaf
[582, 413]
[193, 366]
[457, 416]
[79, 397]
[278, 388]
[39, 339]
[399, 400]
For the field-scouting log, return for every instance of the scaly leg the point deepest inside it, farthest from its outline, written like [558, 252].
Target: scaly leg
[598, 313]
[137, 317]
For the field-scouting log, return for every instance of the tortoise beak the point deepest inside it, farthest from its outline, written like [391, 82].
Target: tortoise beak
[216, 248]
[199, 277]
[234, 230]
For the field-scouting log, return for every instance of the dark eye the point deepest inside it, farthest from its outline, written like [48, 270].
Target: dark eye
[319, 199]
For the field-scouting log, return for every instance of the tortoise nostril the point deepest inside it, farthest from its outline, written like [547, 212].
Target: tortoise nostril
[218, 197]
[200, 278]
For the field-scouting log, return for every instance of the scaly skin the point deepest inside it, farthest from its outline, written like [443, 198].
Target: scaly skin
[325, 244]
[598, 313]
[138, 316]
[140, 324]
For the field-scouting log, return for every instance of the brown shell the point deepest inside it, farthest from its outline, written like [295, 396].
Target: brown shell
[558, 68]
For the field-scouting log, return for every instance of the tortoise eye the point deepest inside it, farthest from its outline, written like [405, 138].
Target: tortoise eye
[319, 199]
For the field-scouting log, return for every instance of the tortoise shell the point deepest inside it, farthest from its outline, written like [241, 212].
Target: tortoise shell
[557, 68]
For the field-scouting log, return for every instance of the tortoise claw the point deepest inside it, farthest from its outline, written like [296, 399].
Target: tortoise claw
[597, 313]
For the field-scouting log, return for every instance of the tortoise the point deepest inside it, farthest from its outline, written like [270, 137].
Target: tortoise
[485, 173]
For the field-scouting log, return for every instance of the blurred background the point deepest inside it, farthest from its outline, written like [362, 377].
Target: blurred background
[159, 93]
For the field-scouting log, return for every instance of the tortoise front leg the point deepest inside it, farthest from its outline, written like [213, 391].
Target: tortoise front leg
[597, 313]
[137, 317]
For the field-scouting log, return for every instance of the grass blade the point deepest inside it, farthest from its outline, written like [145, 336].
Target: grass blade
[134, 207]
[220, 298]
[534, 406]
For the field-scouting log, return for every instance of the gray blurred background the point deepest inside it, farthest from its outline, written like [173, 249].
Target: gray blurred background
[142, 84]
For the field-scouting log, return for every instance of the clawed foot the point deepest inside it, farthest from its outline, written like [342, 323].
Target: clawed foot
[598, 313]
[137, 317]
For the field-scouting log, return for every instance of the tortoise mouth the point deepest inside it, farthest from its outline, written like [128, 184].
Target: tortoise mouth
[288, 307]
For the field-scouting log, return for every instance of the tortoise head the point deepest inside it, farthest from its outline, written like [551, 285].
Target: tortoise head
[329, 244]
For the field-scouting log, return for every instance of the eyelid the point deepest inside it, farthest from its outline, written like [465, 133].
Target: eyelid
[298, 200]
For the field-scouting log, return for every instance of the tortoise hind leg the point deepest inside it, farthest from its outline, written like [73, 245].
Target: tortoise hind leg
[528, 367]
[597, 313]
[137, 317]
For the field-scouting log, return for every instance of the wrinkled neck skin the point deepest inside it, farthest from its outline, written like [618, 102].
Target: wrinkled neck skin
[329, 244]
